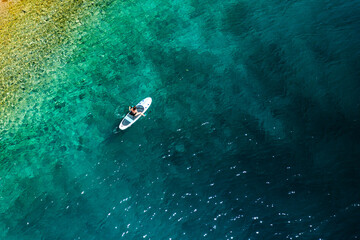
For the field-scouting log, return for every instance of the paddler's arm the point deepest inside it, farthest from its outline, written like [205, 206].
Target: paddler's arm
[129, 108]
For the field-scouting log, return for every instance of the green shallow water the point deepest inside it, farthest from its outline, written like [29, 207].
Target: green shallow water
[252, 134]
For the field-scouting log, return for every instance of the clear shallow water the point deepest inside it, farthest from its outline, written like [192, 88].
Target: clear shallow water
[253, 132]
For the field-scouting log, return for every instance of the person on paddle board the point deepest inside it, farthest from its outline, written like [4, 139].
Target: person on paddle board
[134, 112]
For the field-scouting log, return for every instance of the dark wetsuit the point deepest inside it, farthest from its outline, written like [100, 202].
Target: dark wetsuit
[132, 114]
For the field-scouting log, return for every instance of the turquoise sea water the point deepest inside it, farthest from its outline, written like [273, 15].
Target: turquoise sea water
[253, 132]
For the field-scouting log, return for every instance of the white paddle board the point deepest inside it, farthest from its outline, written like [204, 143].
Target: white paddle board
[129, 119]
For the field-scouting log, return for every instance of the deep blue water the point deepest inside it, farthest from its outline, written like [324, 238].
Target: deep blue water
[253, 133]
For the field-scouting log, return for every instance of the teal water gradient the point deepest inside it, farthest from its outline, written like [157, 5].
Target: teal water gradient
[253, 132]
